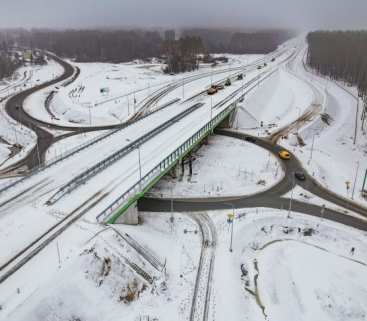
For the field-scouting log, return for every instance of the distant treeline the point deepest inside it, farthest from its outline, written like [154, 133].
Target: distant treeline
[340, 56]
[94, 45]
[7, 62]
[225, 41]
[182, 55]
[124, 45]
[179, 53]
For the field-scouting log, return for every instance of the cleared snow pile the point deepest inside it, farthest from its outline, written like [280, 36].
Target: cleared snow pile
[109, 274]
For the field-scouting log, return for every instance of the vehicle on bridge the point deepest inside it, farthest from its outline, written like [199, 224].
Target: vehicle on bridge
[283, 154]
[212, 90]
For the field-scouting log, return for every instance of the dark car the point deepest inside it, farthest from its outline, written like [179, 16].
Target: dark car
[250, 139]
[300, 176]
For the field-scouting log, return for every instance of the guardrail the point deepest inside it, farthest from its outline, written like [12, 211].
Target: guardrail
[83, 177]
[161, 169]
[111, 213]
[81, 147]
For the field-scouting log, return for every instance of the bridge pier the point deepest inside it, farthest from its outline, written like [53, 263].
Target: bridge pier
[229, 120]
[130, 217]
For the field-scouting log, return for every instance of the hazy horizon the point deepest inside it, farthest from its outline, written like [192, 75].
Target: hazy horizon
[232, 14]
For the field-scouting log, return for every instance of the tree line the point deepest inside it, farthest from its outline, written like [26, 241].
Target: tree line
[8, 63]
[182, 55]
[179, 54]
[340, 55]
[240, 42]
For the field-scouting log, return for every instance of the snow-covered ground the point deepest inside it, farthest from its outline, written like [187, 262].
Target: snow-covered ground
[277, 102]
[127, 85]
[102, 275]
[335, 161]
[277, 272]
[330, 154]
[240, 168]
[298, 193]
[298, 268]
[280, 269]
[11, 132]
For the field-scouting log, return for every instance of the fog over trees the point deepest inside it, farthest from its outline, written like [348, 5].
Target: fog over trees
[126, 45]
[8, 63]
[340, 56]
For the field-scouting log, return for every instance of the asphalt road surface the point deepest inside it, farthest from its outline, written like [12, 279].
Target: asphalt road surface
[272, 198]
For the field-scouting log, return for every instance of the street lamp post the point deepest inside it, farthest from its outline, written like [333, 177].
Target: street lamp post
[322, 212]
[232, 222]
[313, 143]
[355, 180]
[291, 199]
[139, 166]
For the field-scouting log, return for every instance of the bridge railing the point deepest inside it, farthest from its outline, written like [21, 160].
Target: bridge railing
[127, 198]
[111, 213]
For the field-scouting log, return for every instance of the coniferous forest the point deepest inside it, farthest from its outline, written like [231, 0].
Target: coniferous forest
[340, 56]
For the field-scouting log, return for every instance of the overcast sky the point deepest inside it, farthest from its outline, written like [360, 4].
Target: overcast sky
[297, 14]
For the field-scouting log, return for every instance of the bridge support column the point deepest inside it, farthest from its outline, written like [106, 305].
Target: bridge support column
[228, 121]
[130, 217]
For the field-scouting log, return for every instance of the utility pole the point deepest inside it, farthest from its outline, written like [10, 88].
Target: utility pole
[211, 107]
[322, 212]
[139, 165]
[90, 116]
[231, 218]
[355, 180]
[134, 102]
[290, 201]
[313, 142]
[364, 181]
[356, 123]
[38, 154]
[231, 245]
[171, 218]
[128, 105]
[58, 253]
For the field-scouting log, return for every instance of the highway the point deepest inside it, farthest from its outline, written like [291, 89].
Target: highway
[24, 203]
[272, 198]
[35, 158]
[81, 185]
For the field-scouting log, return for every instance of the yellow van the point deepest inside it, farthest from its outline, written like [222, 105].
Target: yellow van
[283, 154]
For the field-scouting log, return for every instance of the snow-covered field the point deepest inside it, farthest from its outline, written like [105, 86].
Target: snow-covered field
[286, 274]
[240, 168]
[335, 161]
[277, 102]
[280, 269]
[330, 154]
[125, 87]
[104, 276]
